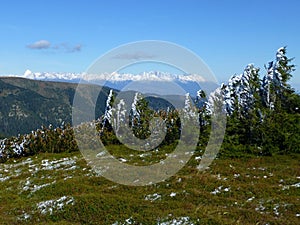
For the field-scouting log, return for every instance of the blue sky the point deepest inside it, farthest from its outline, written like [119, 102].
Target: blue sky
[226, 34]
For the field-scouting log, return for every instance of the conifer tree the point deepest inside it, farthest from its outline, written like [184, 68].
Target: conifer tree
[275, 87]
[281, 123]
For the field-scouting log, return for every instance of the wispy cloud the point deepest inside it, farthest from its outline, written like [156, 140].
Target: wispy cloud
[68, 48]
[42, 44]
[62, 47]
[134, 55]
[76, 48]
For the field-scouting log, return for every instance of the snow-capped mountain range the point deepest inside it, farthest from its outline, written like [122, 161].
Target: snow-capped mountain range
[146, 82]
[114, 77]
[28, 74]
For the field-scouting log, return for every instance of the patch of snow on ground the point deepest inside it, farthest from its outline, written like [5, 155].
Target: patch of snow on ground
[287, 187]
[122, 160]
[24, 216]
[227, 189]
[38, 187]
[219, 190]
[236, 175]
[297, 185]
[275, 210]
[153, 197]
[218, 176]
[49, 206]
[68, 177]
[260, 208]
[177, 221]
[173, 194]
[127, 222]
[2, 179]
[250, 199]
[57, 164]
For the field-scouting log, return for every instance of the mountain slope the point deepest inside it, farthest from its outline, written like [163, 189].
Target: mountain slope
[26, 104]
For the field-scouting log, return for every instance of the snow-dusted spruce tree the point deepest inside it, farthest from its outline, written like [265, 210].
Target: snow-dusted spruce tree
[189, 121]
[108, 110]
[173, 125]
[119, 115]
[140, 116]
[275, 88]
[135, 110]
[204, 118]
[250, 109]
[189, 109]
[281, 125]
[104, 124]
[249, 90]
[240, 98]
[201, 103]
[242, 92]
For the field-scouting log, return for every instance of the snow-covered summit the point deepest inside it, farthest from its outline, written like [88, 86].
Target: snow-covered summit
[28, 74]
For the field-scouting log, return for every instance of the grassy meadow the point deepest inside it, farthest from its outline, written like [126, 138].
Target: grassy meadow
[61, 188]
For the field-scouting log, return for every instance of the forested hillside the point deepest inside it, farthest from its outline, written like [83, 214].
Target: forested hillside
[26, 105]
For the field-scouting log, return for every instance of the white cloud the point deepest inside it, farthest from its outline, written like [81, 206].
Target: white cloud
[42, 44]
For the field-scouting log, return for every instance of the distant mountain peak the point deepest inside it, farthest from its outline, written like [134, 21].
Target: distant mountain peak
[28, 74]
